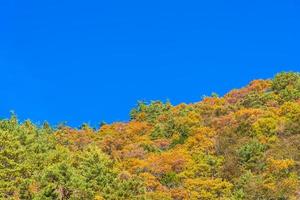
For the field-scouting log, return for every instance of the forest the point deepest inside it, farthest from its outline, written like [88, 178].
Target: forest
[241, 146]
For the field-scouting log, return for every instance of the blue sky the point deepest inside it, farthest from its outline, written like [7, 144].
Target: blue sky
[91, 61]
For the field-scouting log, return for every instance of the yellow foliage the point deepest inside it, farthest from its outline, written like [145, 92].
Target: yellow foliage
[202, 140]
[98, 197]
[152, 183]
[280, 165]
[158, 195]
[204, 188]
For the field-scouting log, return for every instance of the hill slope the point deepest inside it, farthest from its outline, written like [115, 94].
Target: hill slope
[245, 145]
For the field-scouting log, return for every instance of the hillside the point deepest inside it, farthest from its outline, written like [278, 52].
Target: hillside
[245, 145]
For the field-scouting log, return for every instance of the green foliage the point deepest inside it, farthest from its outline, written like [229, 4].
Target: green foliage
[12, 164]
[61, 181]
[253, 100]
[251, 152]
[284, 80]
[287, 85]
[149, 112]
[242, 146]
[170, 179]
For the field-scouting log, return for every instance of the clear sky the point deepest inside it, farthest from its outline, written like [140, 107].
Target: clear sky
[92, 60]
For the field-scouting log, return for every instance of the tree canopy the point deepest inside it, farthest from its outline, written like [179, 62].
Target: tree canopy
[242, 146]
